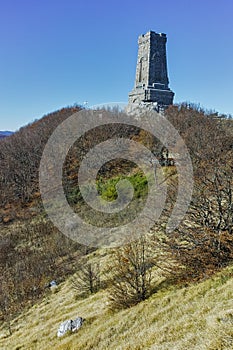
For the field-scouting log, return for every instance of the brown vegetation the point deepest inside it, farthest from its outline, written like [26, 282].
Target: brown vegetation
[33, 252]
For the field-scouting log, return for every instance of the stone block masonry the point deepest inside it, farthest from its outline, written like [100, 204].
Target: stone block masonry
[151, 82]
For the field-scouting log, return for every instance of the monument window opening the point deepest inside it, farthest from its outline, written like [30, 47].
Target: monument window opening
[140, 71]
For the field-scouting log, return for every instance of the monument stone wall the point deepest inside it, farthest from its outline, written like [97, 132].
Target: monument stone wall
[151, 82]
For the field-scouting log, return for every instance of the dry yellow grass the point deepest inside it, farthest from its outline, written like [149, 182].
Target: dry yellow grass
[195, 317]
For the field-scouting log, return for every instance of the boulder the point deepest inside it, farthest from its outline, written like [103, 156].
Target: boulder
[53, 284]
[76, 324]
[64, 328]
[69, 325]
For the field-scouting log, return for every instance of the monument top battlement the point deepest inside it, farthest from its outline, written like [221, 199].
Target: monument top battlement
[150, 35]
[151, 32]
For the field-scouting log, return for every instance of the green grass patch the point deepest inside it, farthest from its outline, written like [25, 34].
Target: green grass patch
[107, 188]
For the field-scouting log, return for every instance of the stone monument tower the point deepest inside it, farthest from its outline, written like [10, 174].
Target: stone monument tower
[151, 83]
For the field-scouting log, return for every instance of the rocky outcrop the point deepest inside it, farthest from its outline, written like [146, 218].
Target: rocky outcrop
[137, 109]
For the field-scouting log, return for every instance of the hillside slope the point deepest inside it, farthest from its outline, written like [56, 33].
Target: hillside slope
[192, 317]
[34, 252]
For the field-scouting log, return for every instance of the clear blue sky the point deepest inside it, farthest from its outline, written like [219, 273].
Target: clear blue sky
[58, 52]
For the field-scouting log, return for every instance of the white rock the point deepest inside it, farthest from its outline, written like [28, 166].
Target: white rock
[69, 325]
[64, 328]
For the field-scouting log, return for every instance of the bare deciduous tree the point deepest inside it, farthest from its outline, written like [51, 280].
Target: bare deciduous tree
[136, 269]
[87, 279]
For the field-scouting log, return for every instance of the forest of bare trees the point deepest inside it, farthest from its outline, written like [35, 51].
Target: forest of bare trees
[207, 228]
[32, 253]
[20, 157]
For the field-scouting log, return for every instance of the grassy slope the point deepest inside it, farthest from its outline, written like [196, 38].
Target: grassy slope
[194, 317]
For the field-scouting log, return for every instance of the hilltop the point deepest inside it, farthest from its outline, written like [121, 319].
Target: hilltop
[165, 292]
